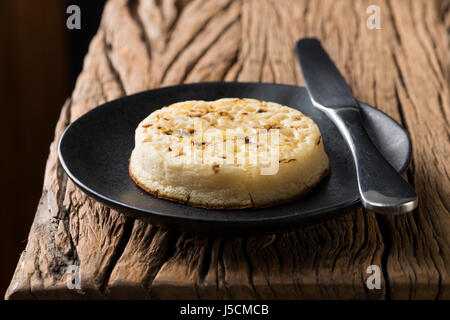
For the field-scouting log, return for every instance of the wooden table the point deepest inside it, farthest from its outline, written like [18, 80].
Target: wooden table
[403, 69]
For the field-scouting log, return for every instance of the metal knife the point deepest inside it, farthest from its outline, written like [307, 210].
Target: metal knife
[381, 187]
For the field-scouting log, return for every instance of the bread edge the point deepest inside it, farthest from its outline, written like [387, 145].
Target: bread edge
[229, 207]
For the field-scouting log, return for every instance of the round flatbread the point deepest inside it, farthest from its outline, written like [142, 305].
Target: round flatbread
[230, 153]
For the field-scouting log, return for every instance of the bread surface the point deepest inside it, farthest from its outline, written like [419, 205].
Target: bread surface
[230, 153]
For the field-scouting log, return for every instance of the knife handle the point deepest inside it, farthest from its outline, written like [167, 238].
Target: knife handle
[381, 187]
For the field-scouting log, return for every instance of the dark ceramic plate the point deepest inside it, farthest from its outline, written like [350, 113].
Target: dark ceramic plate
[94, 150]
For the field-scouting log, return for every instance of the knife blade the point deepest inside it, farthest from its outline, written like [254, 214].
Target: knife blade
[326, 86]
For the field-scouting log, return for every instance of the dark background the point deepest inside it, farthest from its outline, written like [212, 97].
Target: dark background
[40, 60]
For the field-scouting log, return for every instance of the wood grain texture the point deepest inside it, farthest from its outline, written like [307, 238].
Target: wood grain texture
[403, 69]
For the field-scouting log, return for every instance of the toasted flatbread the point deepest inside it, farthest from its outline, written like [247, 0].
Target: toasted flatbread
[230, 153]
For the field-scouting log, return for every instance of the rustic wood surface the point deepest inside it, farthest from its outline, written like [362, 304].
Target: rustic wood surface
[403, 69]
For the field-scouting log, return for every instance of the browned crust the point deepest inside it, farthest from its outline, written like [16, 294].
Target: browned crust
[229, 207]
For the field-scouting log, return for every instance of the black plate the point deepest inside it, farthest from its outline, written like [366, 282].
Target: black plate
[94, 150]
